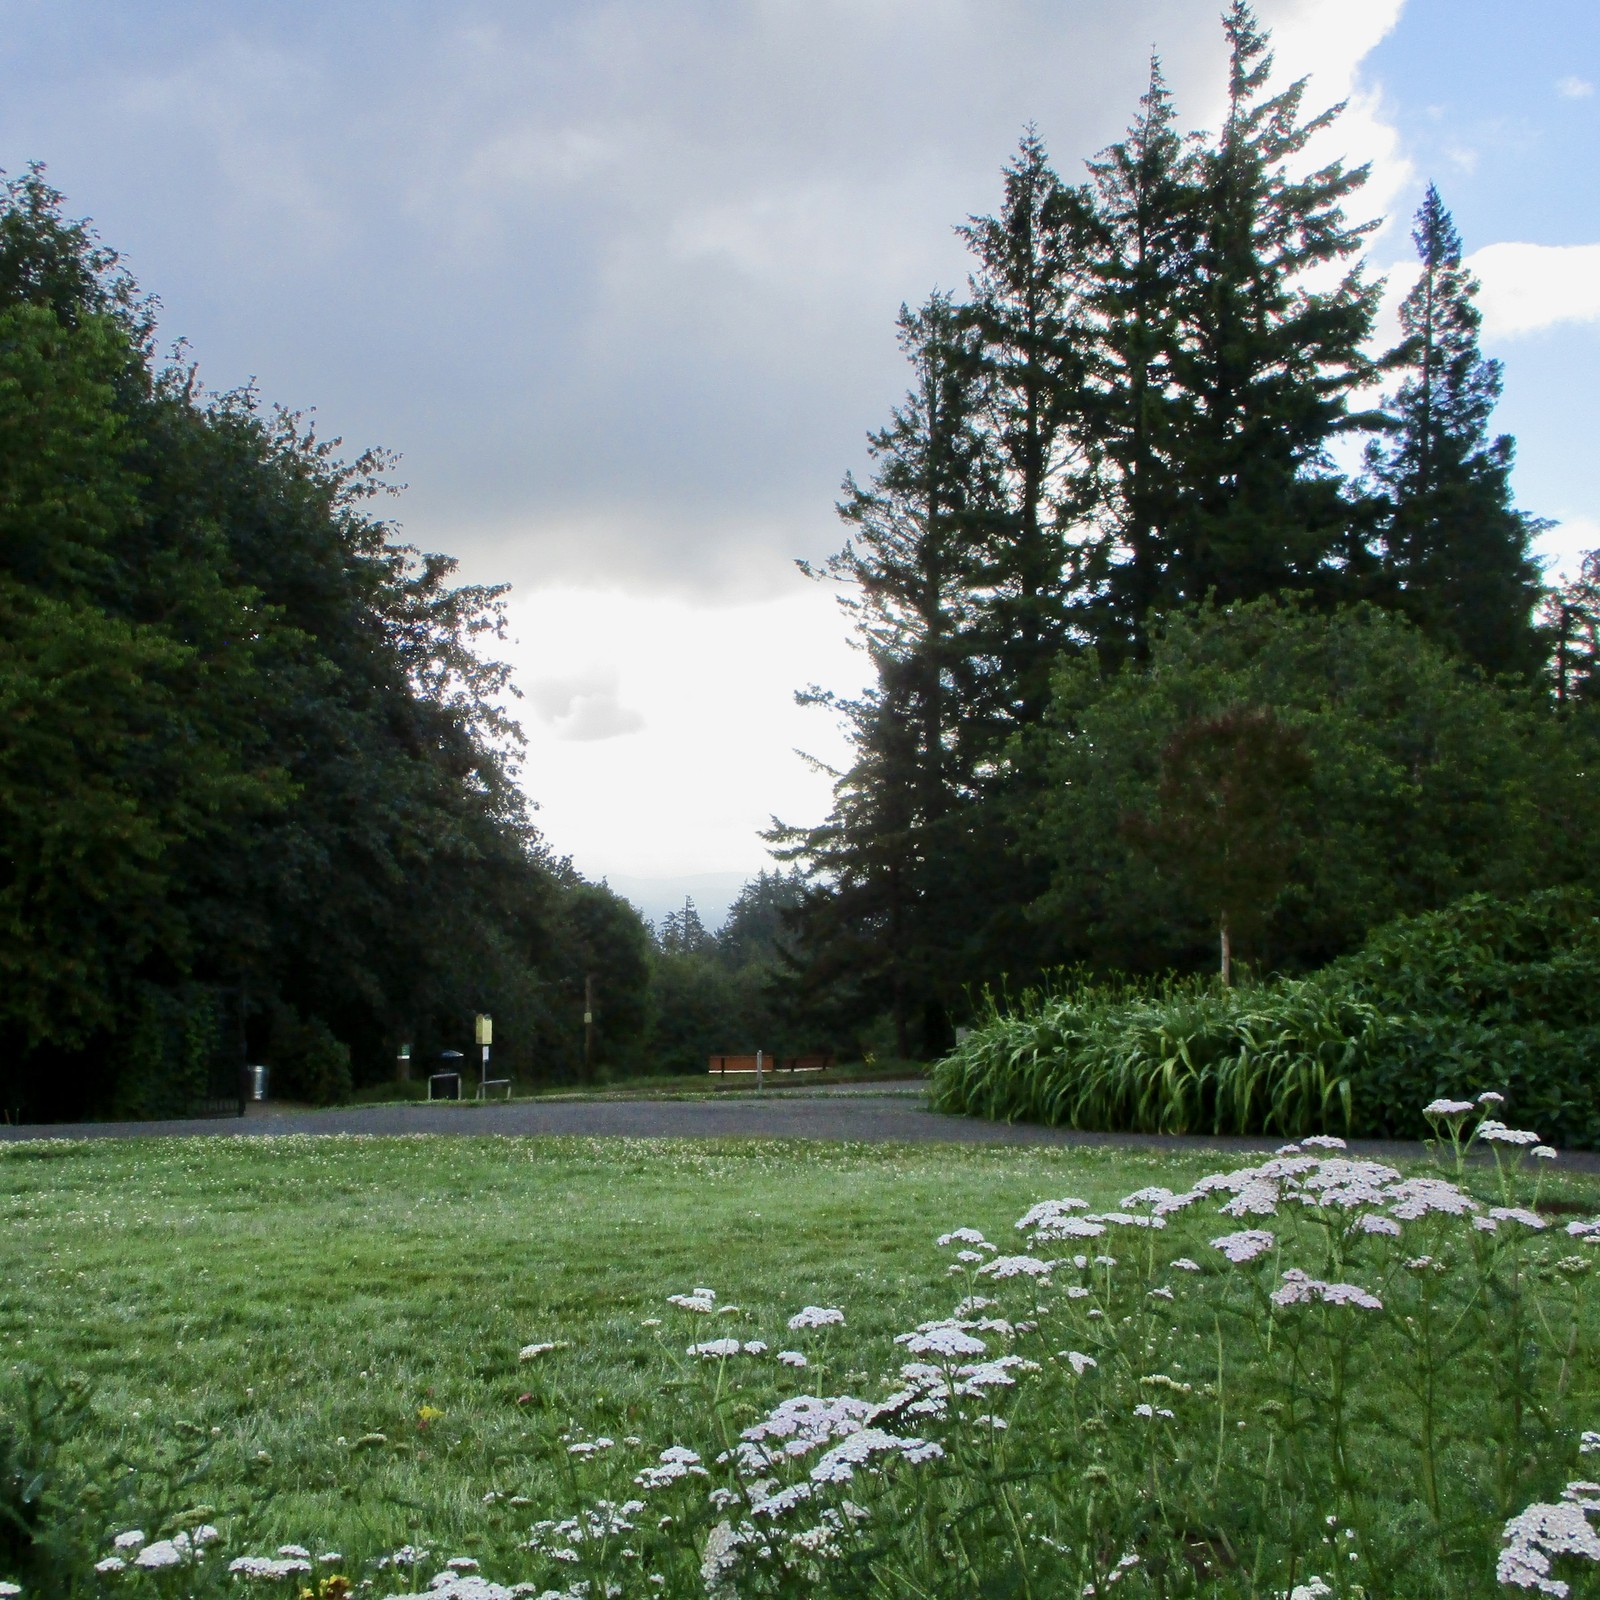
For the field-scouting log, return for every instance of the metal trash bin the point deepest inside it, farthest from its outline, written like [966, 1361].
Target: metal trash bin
[445, 1083]
[256, 1082]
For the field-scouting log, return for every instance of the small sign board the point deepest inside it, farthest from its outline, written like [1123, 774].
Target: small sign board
[484, 1033]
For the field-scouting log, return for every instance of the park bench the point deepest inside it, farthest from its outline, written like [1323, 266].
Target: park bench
[721, 1064]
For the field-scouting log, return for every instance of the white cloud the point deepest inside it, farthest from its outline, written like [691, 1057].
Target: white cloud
[1573, 87]
[1562, 548]
[713, 756]
[1527, 287]
[584, 707]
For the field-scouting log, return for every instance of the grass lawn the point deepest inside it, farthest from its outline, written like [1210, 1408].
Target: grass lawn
[296, 1291]
[338, 1320]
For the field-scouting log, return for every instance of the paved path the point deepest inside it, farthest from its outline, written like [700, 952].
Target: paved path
[875, 1113]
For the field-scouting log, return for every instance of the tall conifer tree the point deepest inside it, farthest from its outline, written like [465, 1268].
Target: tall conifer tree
[1025, 310]
[1455, 548]
[908, 575]
[1266, 363]
[1139, 230]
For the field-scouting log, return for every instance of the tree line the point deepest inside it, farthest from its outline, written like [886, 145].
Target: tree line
[1193, 620]
[258, 786]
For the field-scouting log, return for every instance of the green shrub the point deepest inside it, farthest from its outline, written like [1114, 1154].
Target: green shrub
[308, 1063]
[168, 1052]
[1485, 991]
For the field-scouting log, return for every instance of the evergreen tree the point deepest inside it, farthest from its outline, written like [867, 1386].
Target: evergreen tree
[683, 933]
[1265, 363]
[1140, 234]
[1455, 549]
[1570, 614]
[910, 572]
[1031, 343]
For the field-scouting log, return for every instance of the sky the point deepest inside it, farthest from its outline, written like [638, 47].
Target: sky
[617, 279]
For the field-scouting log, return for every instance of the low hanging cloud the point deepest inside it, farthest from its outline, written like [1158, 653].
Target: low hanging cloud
[583, 708]
[1528, 287]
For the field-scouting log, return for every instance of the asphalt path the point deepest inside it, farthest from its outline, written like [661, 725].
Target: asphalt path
[880, 1113]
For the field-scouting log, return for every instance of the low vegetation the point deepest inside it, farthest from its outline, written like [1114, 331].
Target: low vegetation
[1432, 1005]
[715, 1370]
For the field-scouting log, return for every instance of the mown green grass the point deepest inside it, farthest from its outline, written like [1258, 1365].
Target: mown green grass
[283, 1301]
[295, 1291]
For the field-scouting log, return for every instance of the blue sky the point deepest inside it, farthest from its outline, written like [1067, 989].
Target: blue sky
[618, 279]
[1500, 106]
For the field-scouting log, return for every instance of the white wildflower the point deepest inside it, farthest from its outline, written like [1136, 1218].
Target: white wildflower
[1413, 1198]
[1016, 1267]
[1258, 1198]
[702, 1300]
[1151, 1196]
[1300, 1289]
[1499, 1133]
[1049, 1212]
[1325, 1141]
[531, 1352]
[1533, 1536]
[109, 1565]
[963, 1236]
[1528, 1219]
[1080, 1362]
[1544, 1152]
[1448, 1108]
[163, 1553]
[817, 1317]
[1491, 1097]
[269, 1566]
[131, 1540]
[1244, 1246]
[792, 1358]
[1184, 1264]
[714, 1349]
[941, 1340]
[1371, 1222]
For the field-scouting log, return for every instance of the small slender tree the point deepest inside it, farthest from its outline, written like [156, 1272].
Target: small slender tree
[1224, 824]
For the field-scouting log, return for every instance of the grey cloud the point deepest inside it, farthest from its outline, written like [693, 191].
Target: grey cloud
[583, 708]
[617, 279]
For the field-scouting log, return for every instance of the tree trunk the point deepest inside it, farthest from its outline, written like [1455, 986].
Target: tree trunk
[1227, 953]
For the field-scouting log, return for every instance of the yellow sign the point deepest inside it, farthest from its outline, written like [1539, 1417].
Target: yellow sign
[485, 1034]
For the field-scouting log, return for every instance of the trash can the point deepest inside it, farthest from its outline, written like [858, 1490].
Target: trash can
[256, 1079]
[445, 1082]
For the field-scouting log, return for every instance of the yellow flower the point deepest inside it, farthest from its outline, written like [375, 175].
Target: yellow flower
[429, 1414]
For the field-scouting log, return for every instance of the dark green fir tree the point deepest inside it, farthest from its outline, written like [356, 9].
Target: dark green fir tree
[1455, 547]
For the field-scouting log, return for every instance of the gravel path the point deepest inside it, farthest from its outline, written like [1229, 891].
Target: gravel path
[875, 1113]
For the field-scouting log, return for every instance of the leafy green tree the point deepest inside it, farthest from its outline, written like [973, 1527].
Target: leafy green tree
[1455, 548]
[1224, 820]
[759, 925]
[253, 761]
[1424, 784]
[1031, 347]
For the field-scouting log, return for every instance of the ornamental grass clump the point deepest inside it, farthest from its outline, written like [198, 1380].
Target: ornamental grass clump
[1354, 1049]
